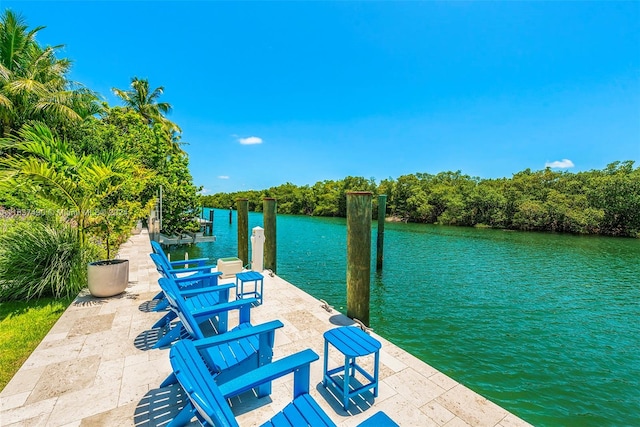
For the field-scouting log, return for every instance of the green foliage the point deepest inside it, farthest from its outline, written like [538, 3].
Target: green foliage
[141, 99]
[155, 141]
[180, 198]
[83, 188]
[33, 83]
[38, 259]
[594, 202]
[90, 172]
[23, 325]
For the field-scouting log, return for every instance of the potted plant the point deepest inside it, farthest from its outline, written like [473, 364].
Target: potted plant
[108, 277]
[119, 209]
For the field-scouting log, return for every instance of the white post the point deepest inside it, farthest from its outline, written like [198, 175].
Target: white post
[257, 249]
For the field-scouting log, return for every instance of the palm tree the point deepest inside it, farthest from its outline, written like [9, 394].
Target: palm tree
[33, 82]
[145, 101]
[140, 99]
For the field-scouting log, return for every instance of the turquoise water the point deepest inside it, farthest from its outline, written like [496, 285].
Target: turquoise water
[544, 325]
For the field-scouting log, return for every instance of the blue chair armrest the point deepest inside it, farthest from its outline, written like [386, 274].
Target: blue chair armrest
[298, 363]
[228, 306]
[198, 291]
[191, 269]
[199, 261]
[238, 334]
[196, 277]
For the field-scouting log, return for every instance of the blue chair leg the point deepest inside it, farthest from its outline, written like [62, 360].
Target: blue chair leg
[184, 416]
[171, 379]
[162, 305]
[345, 388]
[170, 336]
[325, 363]
[376, 373]
[165, 320]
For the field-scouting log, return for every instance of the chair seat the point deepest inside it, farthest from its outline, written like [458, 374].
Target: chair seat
[302, 411]
[203, 300]
[227, 355]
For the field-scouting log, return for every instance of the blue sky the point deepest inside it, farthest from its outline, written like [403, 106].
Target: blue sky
[323, 90]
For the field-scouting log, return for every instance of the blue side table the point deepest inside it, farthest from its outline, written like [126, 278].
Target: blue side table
[352, 342]
[244, 278]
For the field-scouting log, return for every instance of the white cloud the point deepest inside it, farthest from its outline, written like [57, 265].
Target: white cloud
[223, 177]
[561, 164]
[250, 140]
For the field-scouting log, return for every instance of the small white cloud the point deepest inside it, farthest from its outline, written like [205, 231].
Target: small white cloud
[561, 164]
[223, 177]
[250, 140]
[205, 191]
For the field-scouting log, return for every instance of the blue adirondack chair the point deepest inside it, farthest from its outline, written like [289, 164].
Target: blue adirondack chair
[193, 312]
[201, 293]
[166, 267]
[208, 399]
[196, 277]
[233, 353]
[157, 249]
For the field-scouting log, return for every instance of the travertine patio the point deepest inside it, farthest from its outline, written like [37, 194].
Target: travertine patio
[96, 366]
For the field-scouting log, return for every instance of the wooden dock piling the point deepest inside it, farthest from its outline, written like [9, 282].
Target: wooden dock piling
[382, 213]
[358, 255]
[269, 218]
[242, 206]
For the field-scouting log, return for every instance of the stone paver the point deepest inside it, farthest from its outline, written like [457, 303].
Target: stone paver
[96, 366]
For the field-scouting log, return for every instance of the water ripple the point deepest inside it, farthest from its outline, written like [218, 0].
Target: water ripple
[545, 325]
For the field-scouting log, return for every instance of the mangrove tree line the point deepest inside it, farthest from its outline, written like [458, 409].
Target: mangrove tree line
[605, 202]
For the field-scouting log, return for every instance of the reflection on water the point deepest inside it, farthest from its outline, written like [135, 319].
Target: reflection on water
[545, 325]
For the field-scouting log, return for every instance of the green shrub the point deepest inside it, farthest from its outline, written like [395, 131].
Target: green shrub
[38, 260]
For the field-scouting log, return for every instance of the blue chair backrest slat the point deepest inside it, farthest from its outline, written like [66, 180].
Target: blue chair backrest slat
[157, 248]
[203, 393]
[175, 300]
[161, 263]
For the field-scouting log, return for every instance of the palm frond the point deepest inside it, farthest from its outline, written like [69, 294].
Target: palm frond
[123, 94]
[64, 188]
[4, 72]
[5, 102]
[58, 110]
[26, 86]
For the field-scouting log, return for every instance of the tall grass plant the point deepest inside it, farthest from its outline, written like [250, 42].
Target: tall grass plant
[40, 260]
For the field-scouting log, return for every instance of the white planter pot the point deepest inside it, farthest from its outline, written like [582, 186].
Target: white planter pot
[108, 278]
